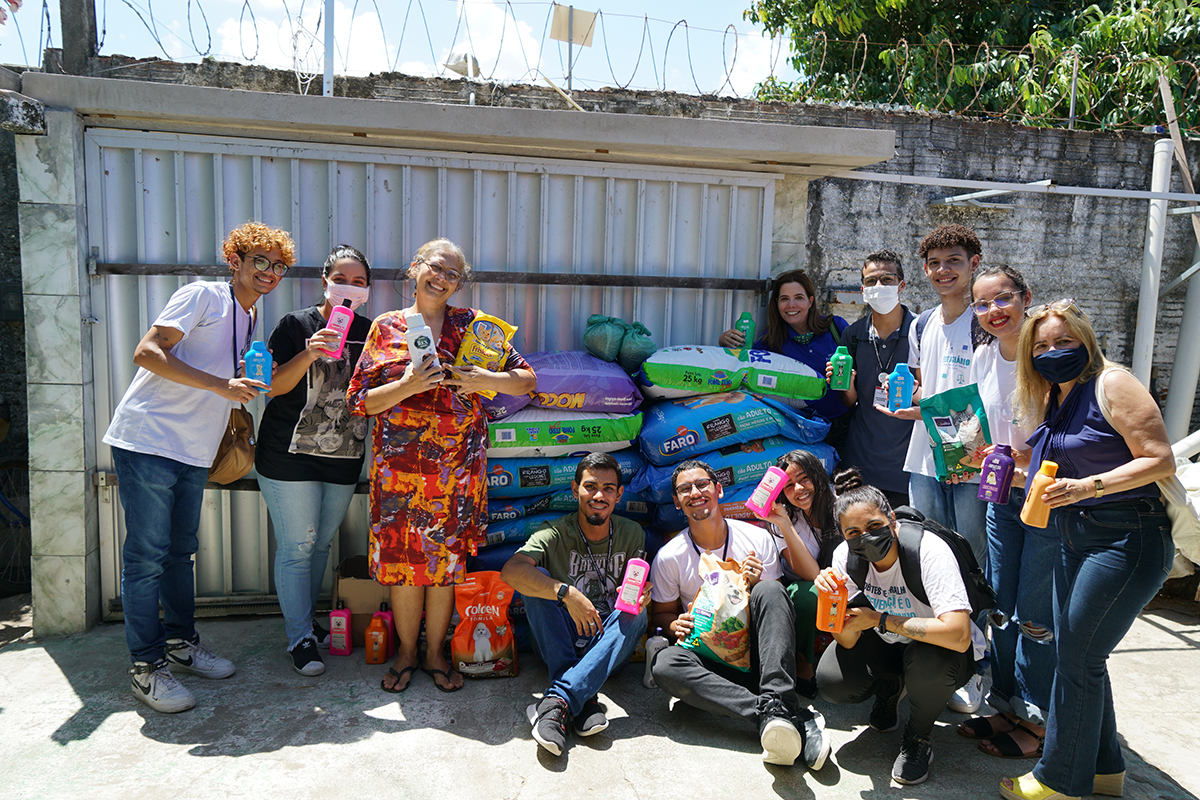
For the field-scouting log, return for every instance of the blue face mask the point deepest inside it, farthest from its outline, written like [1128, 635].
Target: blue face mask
[1060, 366]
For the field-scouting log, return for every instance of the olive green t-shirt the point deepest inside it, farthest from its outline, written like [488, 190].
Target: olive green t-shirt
[561, 549]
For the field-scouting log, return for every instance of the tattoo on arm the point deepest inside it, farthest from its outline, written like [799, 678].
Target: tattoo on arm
[161, 339]
[914, 628]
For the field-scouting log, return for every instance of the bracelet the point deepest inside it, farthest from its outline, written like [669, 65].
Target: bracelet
[882, 626]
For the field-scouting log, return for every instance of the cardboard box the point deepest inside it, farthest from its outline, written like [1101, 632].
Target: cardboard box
[357, 590]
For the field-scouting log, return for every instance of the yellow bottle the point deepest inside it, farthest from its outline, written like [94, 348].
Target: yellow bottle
[1035, 513]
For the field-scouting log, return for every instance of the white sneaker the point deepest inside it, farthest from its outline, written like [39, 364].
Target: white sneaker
[193, 657]
[967, 699]
[155, 686]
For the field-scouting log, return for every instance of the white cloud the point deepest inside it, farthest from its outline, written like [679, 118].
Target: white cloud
[757, 58]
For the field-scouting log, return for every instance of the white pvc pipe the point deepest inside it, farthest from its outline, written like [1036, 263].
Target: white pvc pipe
[1187, 447]
[1185, 373]
[1156, 223]
[327, 82]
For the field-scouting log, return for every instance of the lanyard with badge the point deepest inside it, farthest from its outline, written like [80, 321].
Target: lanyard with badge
[603, 602]
[881, 395]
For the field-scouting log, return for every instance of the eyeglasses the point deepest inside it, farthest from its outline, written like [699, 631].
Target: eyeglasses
[1001, 301]
[700, 485]
[881, 280]
[1066, 304]
[454, 276]
[262, 264]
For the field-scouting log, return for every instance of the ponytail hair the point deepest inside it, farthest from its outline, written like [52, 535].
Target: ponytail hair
[850, 489]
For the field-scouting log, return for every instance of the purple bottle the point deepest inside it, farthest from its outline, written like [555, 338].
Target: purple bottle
[996, 475]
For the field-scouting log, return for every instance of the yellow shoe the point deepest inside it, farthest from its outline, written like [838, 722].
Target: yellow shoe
[1111, 785]
[1028, 787]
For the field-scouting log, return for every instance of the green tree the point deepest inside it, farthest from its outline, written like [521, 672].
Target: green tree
[1011, 59]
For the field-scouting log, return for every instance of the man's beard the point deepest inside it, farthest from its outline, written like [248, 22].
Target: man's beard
[596, 520]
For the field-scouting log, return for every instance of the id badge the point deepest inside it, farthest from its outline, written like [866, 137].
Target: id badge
[881, 397]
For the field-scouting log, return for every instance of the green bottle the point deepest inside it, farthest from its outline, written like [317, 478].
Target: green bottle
[745, 324]
[843, 365]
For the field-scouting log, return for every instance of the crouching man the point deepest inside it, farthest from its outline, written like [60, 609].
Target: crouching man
[766, 695]
[569, 573]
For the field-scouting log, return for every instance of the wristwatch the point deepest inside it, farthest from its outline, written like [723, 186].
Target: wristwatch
[882, 626]
[562, 594]
[1099, 484]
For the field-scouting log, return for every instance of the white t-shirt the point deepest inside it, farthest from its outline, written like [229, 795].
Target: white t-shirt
[676, 569]
[889, 592]
[160, 417]
[944, 358]
[807, 537]
[997, 381]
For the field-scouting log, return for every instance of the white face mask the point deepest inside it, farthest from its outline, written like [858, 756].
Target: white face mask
[337, 293]
[882, 299]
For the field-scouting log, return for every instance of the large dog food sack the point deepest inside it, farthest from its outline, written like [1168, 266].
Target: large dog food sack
[505, 405]
[636, 347]
[721, 614]
[485, 344]
[575, 381]
[517, 529]
[775, 374]
[958, 429]
[603, 336]
[690, 370]
[735, 465]
[524, 477]
[547, 432]
[667, 517]
[483, 645]
[801, 426]
[685, 428]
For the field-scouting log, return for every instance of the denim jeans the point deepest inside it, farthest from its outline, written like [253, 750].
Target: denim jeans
[578, 678]
[957, 506]
[162, 499]
[306, 516]
[1020, 569]
[1115, 557]
[724, 690]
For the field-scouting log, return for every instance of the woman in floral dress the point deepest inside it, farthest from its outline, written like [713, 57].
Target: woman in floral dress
[428, 460]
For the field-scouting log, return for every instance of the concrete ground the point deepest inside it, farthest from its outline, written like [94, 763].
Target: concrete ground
[70, 728]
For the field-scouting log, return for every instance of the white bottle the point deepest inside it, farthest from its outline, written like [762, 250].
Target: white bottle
[653, 645]
[420, 341]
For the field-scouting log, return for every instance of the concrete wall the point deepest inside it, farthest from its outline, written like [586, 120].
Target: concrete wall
[12, 355]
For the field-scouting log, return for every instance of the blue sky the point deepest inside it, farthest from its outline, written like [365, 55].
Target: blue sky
[509, 39]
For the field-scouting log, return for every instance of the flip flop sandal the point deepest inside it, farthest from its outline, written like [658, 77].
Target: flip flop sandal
[399, 676]
[445, 673]
[1007, 747]
[984, 727]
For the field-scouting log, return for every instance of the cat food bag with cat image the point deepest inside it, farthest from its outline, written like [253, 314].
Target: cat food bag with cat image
[483, 645]
[958, 430]
[485, 345]
[721, 614]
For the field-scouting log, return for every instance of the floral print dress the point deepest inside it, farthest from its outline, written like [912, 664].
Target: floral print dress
[428, 463]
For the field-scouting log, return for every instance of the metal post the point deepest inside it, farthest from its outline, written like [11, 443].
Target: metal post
[570, 42]
[78, 21]
[330, 47]
[1186, 372]
[1156, 223]
[1074, 85]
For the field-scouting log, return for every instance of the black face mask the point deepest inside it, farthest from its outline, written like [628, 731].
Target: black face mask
[1060, 366]
[873, 545]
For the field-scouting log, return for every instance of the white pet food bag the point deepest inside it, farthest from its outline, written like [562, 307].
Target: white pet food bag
[687, 371]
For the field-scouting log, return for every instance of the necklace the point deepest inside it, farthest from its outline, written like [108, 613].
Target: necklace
[600, 570]
[887, 367]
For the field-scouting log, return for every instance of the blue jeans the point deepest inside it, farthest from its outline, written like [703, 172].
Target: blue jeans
[575, 678]
[162, 499]
[1115, 557]
[957, 506]
[306, 516]
[1020, 569]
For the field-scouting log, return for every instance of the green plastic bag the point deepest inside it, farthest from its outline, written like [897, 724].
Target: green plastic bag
[958, 430]
[636, 347]
[603, 336]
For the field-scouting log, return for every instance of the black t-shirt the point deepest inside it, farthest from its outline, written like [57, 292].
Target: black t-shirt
[308, 434]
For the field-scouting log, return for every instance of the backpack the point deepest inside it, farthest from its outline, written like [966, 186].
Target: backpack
[978, 334]
[913, 526]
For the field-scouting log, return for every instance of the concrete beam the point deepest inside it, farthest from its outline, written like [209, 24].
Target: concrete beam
[589, 136]
[21, 114]
[10, 80]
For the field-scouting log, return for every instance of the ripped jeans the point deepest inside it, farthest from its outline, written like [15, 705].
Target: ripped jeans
[1020, 567]
[306, 516]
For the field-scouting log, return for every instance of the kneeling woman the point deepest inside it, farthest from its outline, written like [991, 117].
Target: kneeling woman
[897, 642]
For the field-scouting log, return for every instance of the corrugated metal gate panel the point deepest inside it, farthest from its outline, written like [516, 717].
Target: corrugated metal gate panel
[169, 198]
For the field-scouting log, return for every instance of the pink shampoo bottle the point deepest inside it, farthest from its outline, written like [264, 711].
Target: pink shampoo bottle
[629, 598]
[340, 319]
[767, 491]
[341, 643]
[389, 622]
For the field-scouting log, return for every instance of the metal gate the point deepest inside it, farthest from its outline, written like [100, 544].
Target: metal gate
[644, 235]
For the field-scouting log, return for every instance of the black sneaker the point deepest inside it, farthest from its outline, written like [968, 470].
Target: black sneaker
[591, 719]
[549, 721]
[817, 746]
[912, 765]
[883, 714]
[781, 742]
[321, 635]
[305, 658]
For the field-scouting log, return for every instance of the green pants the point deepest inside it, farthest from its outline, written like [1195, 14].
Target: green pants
[804, 599]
